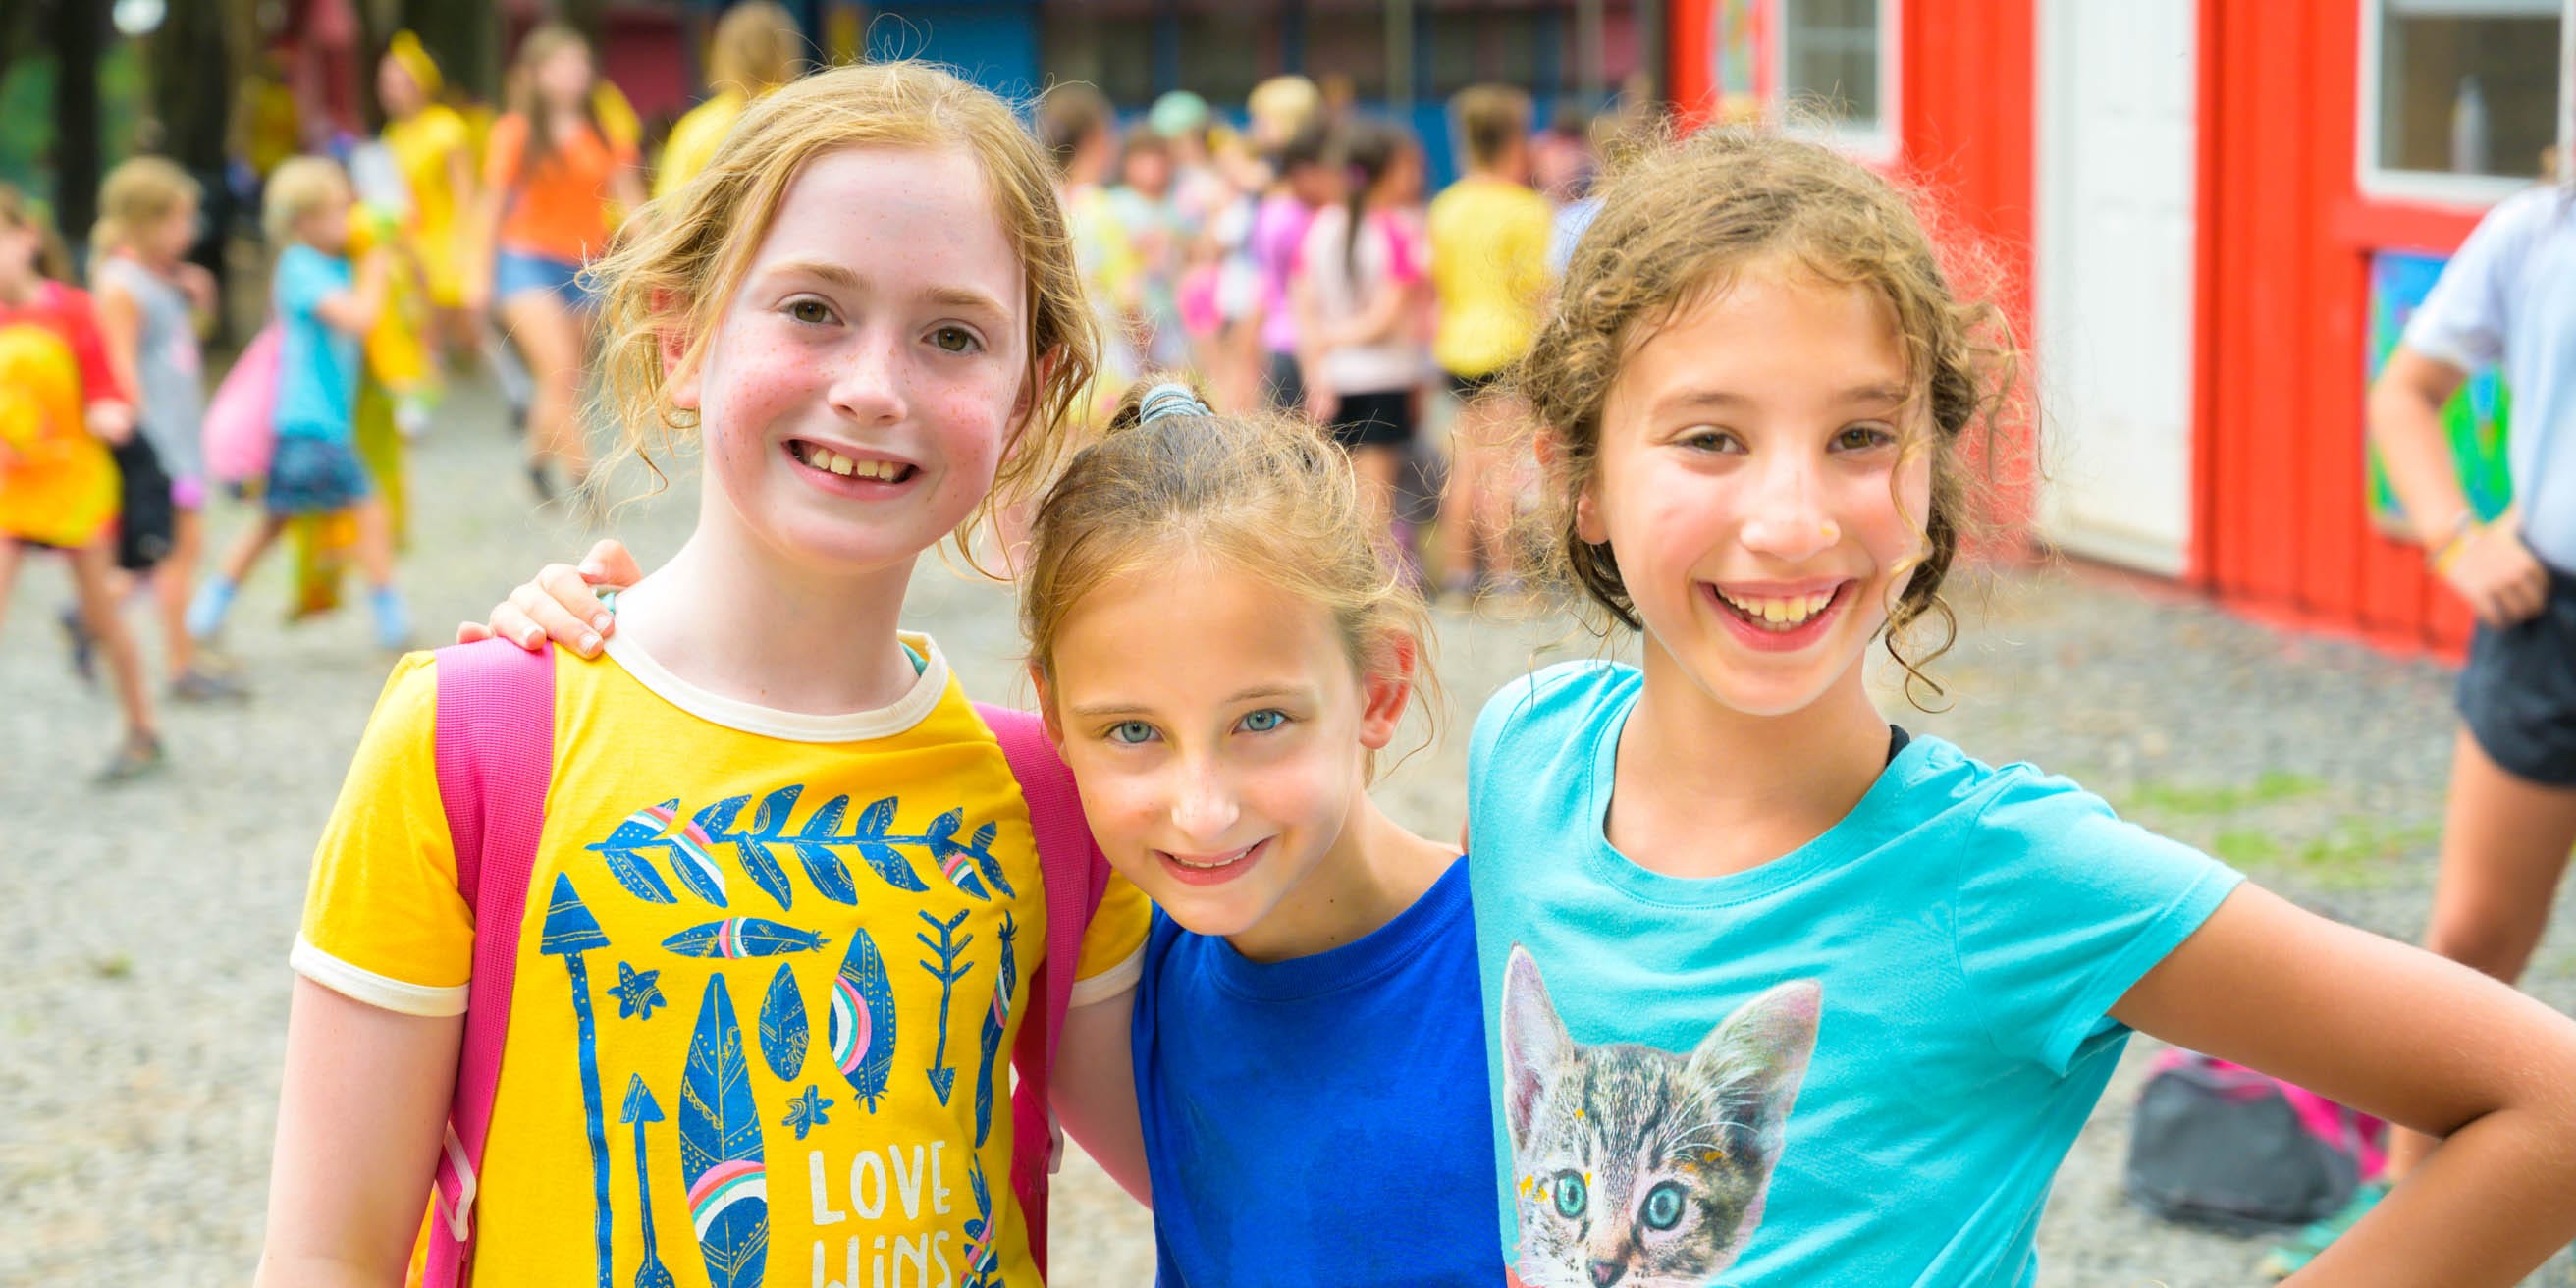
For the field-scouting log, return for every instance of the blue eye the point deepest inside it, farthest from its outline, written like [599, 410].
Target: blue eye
[1664, 1206]
[1131, 732]
[1571, 1195]
[1264, 720]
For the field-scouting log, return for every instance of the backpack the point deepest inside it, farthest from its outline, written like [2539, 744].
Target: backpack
[495, 753]
[2218, 1144]
[240, 427]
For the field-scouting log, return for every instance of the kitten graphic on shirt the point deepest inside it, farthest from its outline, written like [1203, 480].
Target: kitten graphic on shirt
[1639, 1168]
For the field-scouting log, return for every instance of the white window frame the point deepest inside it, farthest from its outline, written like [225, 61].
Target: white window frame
[2465, 191]
[1879, 142]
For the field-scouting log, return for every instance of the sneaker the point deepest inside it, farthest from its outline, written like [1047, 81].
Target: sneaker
[134, 759]
[199, 685]
[84, 649]
[2290, 1258]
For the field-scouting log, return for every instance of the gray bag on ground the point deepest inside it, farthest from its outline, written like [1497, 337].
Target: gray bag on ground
[2218, 1144]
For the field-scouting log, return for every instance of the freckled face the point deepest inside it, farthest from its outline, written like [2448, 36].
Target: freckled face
[1217, 729]
[1751, 486]
[866, 378]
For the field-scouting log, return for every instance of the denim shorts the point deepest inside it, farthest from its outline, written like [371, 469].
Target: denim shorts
[315, 476]
[514, 274]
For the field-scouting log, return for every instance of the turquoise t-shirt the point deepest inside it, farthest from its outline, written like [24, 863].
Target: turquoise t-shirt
[1859, 1063]
[317, 364]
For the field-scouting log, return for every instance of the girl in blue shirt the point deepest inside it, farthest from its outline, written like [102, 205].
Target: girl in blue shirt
[1779, 996]
[1222, 647]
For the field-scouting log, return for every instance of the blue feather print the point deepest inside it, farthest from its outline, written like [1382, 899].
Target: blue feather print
[822, 867]
[995, 1021]
[774, 809]
[635, 872]
[982, 849]
[782, 1026]
[721, 1160]
[862, 1024]
[640, 1109]
[717, 819]
[740, 937]
[981, 1256]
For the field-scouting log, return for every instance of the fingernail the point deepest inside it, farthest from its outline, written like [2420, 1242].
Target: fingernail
[589, 643]
[601, 622]
[531, 639]
[590, 570]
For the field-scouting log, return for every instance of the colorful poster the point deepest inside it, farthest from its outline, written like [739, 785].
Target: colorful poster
[1740, 36]
[2476, 418]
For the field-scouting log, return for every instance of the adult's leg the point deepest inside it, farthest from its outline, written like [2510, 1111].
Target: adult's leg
[1499, 461]
[1376, 465]
[2505, 841]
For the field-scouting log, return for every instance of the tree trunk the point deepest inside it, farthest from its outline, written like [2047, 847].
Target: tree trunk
[465, 39]
[79, 36]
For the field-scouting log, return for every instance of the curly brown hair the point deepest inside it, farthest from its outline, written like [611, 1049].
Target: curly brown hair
[1680, 218]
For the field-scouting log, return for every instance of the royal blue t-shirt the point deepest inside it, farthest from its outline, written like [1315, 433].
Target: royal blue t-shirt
[1858, 1063]
[1320, 1120]
[317, 364]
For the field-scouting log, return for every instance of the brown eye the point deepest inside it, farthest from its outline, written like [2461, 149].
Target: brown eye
[809, 311]
[953, 339]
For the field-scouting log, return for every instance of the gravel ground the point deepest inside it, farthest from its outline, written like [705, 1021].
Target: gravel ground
[139, 1045]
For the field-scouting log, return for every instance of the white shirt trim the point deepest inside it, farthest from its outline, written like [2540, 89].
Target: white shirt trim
[792, 726]
[383, 992]
[1111, 982]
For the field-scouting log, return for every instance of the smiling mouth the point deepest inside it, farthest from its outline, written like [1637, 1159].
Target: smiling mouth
[1213, 863]
[815, 456]
[1780, 613]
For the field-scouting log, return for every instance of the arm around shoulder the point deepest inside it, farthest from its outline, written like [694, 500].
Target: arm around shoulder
[2408, 1036]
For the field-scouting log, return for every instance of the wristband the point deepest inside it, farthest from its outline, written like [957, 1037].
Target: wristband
[2447, 554]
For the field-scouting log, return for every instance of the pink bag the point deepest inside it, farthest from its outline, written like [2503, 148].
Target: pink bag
[241, 420]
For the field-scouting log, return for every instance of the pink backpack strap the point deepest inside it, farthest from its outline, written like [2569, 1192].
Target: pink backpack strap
[496, 753]
[1075, 875]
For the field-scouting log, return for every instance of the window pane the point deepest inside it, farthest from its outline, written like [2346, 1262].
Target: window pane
[1476, 41]
[1109, 43]
[2467, 89]
[1348, 39]
[1227, 49]
[1829, 49]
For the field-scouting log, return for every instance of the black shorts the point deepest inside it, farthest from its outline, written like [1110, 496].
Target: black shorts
[1373, 420]
[2518, 692]
[1468, 389]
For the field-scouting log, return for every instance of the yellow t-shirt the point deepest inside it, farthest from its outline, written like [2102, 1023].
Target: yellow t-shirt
[1489, 266]
[755, 1015]
[422, 148]
[694, 138]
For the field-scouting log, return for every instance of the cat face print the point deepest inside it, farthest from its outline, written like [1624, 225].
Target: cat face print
[1643, 1168]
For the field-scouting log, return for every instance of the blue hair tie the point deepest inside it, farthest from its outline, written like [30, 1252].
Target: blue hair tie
[1170, 398]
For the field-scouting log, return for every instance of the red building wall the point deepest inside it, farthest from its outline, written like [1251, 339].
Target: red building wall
[2286, 240]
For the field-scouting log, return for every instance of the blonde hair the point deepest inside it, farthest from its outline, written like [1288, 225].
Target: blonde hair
[756, 46]
[1262, 494]
[1490, 119]
[1280, 107]
[298, 187]
[137, 195]
[1681, 219]
[684, 267]
[18, 210]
